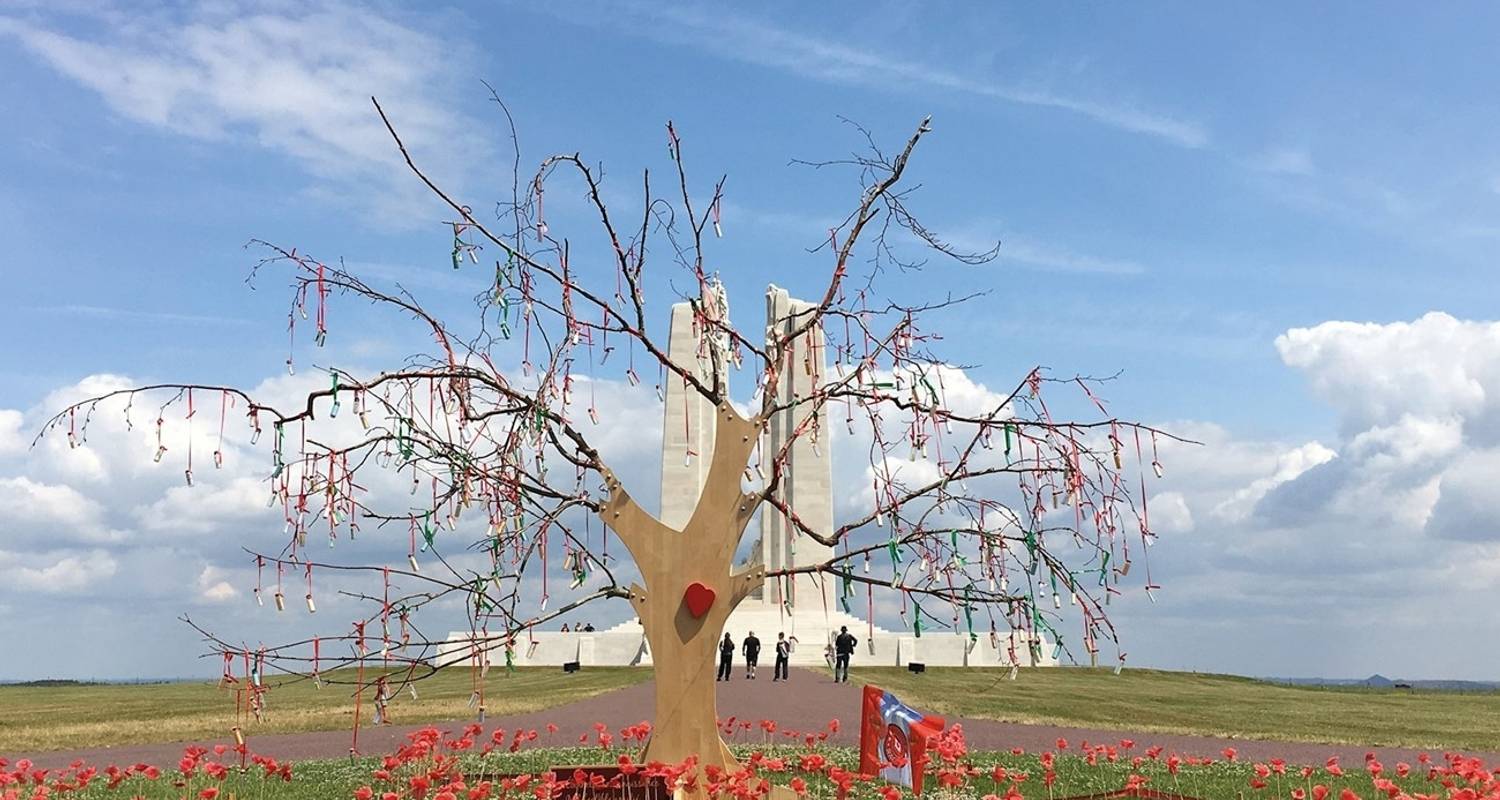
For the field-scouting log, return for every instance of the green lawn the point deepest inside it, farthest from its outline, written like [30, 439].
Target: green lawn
[35, 718]
[1214, 705]
[50, 718]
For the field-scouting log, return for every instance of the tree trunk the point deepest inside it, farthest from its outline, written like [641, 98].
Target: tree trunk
[686, 721]
[684, 647]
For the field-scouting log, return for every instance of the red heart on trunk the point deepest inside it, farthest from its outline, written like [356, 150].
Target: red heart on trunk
[698, 599]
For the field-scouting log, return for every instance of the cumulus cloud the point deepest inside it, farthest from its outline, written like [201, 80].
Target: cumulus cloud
[1419, 403]
[1289, 465]
[1432, 368]
[1465, 507]
[204, 509]
[213, 588]
[1388, 519]
[27, 501]
[60, 574]
[1170, 513]
[1386, 530]
[11, 438]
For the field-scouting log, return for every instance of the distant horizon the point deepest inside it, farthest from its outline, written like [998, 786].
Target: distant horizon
[1268, 679]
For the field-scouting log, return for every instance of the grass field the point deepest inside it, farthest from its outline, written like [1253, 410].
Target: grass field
[1141, 701]
[1213, 705]
[35, 718]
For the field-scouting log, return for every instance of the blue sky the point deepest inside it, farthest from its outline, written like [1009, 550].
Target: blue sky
[1197, 197]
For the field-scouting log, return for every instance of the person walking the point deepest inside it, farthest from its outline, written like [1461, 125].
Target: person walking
[783, 657]
[752, 655]
[726, 657]
[843, 648]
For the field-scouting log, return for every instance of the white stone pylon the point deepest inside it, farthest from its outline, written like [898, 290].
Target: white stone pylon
[806, 486]
[807, 471]
[687, 425]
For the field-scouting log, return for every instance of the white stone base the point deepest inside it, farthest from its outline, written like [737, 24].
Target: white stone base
[625, 644]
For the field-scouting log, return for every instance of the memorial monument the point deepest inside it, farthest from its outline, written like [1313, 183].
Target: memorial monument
[804, 607]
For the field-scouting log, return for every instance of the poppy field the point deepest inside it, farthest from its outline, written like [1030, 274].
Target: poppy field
[476, 763]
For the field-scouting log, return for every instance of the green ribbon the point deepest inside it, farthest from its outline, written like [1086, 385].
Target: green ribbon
[403, 439]
[276, 462]
[969, 613]
[482, 600]
[930, 391]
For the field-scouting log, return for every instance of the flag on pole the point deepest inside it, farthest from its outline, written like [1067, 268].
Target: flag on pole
[893, 739]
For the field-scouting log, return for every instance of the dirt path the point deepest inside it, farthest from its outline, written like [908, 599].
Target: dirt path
[807, 702]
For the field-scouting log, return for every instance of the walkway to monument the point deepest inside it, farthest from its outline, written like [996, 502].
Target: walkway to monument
[805, 703]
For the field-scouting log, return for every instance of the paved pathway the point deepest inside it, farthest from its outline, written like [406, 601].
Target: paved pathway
[806, 702]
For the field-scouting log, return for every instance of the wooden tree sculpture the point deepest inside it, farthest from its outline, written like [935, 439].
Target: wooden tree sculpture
[1017, 509]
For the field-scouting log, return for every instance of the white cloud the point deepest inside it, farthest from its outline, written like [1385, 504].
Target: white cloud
[1289, 464]
[1391, 520]
[835, 61]
[213, 588]
[1373, 373]
[296, 82]
[1170, 513]
[1420, 406]
[67, 575]
[12, 440]
[52, 514]
[205, 508]
[27, 501]
[1464, 508]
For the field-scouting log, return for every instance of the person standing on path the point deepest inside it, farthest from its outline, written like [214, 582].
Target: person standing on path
[752, 655]
[783, 657]
[843, 648]
[726, 657]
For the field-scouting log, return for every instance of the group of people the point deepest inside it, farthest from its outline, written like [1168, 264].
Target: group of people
[582, 627]
[842, 648]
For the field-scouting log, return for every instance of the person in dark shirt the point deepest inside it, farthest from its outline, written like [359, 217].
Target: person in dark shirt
[726, 657]
[843, 647]
[783, 657]
[752, 655]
